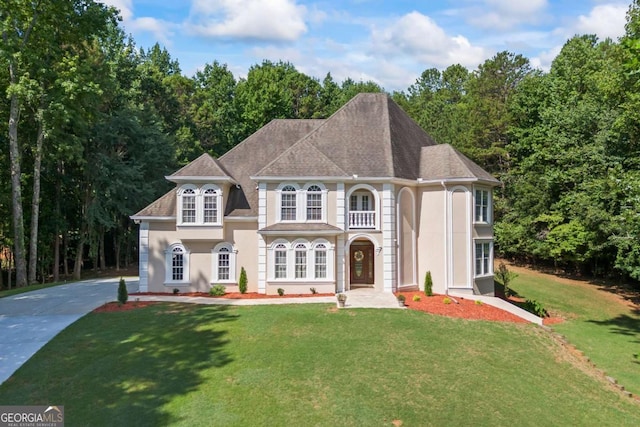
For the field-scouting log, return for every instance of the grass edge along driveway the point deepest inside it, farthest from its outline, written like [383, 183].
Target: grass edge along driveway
[181, 364]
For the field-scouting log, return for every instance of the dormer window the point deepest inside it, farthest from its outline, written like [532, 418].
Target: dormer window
[314, 203]
[199, 206]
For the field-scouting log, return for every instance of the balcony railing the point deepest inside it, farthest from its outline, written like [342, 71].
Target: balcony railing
[362, 219]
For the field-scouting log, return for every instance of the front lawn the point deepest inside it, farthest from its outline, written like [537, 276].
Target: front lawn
[173, 364]
[600, 322]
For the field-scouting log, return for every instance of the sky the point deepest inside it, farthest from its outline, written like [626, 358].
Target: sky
[388, 42]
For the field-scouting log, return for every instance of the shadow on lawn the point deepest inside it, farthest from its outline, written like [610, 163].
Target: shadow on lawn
[624, 325]
[122, 368]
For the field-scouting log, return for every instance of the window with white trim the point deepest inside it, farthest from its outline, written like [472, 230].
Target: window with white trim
[176, 264]
[188, 206]
[280, 261]
[210, 206]
[300, 261]
[483, 258]
[314, 203]
[320, 261]
[288, 203]
[482, 206]
[223, 263]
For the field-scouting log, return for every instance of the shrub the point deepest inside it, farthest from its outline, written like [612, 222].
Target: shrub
[428, 284]
[280, 291]
[176, 291]
[217, 290]
[313, 291]
[533, 306]
[416, 298]
[505, 277]
[123, 296]
[478, 302]
[242, 283]
[446, 300]
[401, 298]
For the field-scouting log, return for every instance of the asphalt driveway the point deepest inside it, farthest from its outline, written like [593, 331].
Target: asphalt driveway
[29, 320]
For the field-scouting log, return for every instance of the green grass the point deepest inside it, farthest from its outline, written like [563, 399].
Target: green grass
[191, 365]
[607, 331]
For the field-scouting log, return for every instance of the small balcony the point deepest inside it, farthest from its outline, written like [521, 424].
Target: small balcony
[362, 219]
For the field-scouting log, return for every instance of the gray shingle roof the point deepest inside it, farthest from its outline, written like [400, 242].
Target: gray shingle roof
[370, 136]
[445, 162]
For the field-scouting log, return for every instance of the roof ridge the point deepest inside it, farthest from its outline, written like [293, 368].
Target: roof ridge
[302, 141]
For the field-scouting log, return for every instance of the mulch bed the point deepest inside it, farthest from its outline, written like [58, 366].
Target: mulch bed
[465, 308]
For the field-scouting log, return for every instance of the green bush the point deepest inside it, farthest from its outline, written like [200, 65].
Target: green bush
[428, 284]
[242, 283]
[533, 306]
[416, 298]
[478, 302]
[217, 290]
[401, 298]
[505, 277]
[447, 300]
[123, 295]
[280, 291]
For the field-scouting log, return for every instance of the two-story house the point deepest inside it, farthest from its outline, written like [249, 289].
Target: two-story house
[364, 198]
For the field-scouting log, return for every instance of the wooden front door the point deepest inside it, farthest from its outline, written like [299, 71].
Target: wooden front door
[361, 263]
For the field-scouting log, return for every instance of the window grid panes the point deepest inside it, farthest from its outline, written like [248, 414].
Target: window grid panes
[483, 258]
[288, 204]
[188, 206]
[280, 262]
[301, 261]
[320, 262]
[223, 264]
[482, 206]
[177, 265]
[210, 206]
[314, 203]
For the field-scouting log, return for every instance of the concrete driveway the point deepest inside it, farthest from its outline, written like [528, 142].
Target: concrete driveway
[29, 320]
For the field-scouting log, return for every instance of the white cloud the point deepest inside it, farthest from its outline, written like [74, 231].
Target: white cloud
[161, 30]
[419, 37]
[544, 59]
[125, 7]
[505, 14]
[277, 20]
[606, 20]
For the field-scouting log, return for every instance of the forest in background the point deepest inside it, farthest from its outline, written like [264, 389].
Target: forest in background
[91, 125]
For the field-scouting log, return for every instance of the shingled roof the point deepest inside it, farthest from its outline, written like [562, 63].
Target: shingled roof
[370, 136]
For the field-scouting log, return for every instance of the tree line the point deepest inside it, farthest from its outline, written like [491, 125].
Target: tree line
[91, 124]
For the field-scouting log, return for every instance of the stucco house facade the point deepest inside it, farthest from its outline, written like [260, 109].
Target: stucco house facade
[364, 198]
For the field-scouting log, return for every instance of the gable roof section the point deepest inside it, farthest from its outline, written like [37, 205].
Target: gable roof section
[164, 207]
[205, 167]
[445, 162]
[302, 159]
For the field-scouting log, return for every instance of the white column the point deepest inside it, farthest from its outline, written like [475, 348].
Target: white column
[340, 212]
[339, 253]
[389, 242]
[143, 265]
[262, 245]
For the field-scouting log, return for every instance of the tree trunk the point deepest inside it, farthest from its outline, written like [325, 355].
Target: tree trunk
[16, 189]
[10, 261]
[77, 268]
[103, 263]
[56, 257]
[116, 245]
[35, 204]
[65, 253]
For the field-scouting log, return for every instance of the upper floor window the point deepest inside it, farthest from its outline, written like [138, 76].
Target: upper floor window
[314, 203]
[198, 206]
[189, 205]
[176, 264]
[288, 204]
[482, 206]
[363, 205]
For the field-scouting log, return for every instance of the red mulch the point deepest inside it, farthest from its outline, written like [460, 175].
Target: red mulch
[111, 307]
[467, 309]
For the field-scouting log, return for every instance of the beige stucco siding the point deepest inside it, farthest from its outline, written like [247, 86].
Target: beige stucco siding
[460, 239]
[431, 236]
[244, 238]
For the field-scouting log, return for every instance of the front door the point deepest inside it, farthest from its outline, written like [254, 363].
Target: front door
[361, 263]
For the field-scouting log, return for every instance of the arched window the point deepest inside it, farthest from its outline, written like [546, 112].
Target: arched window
[223, 264]
[280, 261]
[300, 261]
[314, 203]
[210, 206]
[188, 197]
[177, 264]
[320, 261]
[288, 203]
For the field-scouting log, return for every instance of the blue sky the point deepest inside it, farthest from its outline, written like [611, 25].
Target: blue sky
[389, 42]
